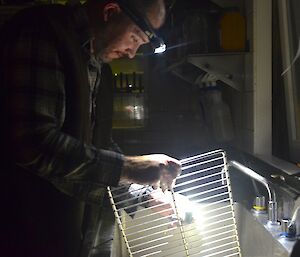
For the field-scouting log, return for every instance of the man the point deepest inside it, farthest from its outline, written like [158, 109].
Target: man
[50, 66]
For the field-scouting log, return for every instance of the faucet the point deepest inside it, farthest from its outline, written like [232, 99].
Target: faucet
[272, 204]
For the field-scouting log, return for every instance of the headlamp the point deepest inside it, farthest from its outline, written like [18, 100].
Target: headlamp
[142, 22]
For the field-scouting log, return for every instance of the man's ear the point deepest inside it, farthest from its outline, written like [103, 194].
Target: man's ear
[109, 10]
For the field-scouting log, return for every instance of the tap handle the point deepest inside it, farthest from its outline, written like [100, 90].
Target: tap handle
[291, 229]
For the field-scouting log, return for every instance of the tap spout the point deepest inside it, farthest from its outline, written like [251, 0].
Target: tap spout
[272, 204]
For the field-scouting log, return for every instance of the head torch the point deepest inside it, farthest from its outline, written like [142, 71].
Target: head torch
[142, 22]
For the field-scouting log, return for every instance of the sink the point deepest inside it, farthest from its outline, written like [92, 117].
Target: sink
[212, 224]
[256, 238]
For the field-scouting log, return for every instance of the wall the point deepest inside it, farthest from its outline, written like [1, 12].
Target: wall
[247, 96]
[252, 107]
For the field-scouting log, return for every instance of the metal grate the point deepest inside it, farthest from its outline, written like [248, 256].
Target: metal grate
[211, 232]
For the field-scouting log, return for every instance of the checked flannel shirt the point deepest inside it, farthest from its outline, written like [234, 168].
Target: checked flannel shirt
[36, 107]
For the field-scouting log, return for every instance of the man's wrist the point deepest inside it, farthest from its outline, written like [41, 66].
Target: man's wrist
[124, 178]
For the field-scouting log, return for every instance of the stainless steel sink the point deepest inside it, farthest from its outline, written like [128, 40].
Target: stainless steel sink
[256, 238]
[218, 228]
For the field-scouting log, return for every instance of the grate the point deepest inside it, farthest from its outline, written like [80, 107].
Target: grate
[212, 231]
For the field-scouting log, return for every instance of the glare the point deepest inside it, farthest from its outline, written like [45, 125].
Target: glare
[160, 49]
[189, 211]
[135, 112]
[193, 217]
[129, 85]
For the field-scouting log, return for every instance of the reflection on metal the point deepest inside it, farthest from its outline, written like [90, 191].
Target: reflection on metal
[272, 204]
[129, 104]
[257, 238]
[129, 111]
[203, 220]
[128, 82]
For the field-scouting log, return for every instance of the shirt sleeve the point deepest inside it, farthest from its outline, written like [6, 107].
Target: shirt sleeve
[36, 106]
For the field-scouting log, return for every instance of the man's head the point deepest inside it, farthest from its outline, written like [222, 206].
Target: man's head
[116, 35]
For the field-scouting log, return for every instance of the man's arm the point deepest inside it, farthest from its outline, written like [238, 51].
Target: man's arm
[36, 105]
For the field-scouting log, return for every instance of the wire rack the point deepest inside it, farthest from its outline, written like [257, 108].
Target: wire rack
[203, 224]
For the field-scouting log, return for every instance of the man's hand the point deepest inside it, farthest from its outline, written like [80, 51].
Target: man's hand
[158, 170]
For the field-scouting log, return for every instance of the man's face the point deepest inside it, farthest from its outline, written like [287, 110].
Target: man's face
[123, 41]
[122, 38]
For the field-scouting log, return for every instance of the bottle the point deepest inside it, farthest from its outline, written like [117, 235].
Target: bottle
[232, 32]
[221, 119]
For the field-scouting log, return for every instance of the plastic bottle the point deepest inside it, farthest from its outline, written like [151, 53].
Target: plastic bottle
[232, 32]
[221, 119]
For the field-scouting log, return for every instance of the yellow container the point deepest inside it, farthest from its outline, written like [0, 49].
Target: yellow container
[233, 32]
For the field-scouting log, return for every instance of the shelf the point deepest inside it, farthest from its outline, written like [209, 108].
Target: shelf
[226, 67]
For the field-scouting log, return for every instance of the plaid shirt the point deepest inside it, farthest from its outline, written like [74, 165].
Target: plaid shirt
[36, 109]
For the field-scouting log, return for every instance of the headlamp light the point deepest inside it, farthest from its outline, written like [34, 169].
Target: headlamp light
[156, 42]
